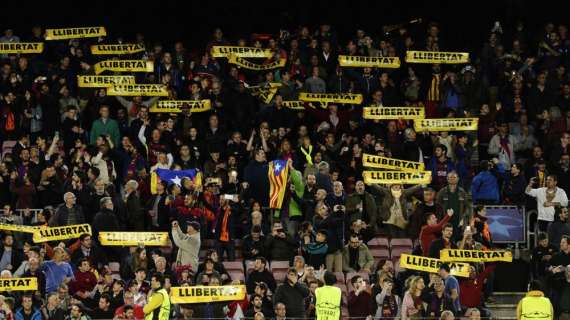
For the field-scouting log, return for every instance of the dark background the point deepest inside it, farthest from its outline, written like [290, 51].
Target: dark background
[465, 23]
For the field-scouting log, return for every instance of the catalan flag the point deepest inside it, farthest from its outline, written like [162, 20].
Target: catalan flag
[278, 172]
[174, 177]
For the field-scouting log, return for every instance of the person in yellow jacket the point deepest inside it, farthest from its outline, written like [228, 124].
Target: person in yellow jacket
[535, 305]
[328, 299]
[158, 307]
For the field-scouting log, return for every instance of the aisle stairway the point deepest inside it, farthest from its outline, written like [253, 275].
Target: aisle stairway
[505, 305]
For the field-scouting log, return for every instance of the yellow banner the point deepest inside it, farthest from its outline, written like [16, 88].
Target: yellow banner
[350, 98]
[127, 48]
[145, 90]
[17, 228]
[21, 47]
[371, 62]
[75, 33]
[431, 265]
[255, 66]
[124, 66]
[372, 161]
[437, 57]
[45, 234]
[201, 294]
[396, 177]
[242, 52]
[266, 92]
[103, 81]
[133, 238]
[294, 104]
[475, 255]
[19, 284]
[446, 124]
[176, 106]
[390, 113]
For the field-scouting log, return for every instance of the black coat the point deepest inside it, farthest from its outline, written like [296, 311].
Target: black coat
[293, 297]
[104, 220]
[256, 277]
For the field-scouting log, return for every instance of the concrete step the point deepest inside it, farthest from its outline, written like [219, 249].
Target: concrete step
[505, 305]
[502, 311]
[508, 297]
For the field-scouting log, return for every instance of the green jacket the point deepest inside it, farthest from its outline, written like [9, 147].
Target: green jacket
[294, 207]
[110, 128]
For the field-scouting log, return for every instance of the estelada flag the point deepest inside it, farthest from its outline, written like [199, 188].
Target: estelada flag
[174, 177]
[278, 173]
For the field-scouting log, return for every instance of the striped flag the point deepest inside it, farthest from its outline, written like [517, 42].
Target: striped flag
[278, 172]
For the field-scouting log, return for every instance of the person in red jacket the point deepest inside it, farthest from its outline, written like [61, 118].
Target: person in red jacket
[471, 289]
[430, 231]
[84, 282]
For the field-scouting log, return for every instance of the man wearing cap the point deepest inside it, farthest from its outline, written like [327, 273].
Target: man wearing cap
[188, 244]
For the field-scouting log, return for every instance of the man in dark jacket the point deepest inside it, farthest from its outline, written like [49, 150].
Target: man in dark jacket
[514, 186]
[134, 208]
[255, 175]
[67, 213]
[280, 245]
[13, 255]
[105, 220]
[254, 244]
[442, 243]
[90, 251]
[559, 228]
[260, 274]
[292, 293]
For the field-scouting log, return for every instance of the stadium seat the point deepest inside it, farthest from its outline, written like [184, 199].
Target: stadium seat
[249, 264]
[279, 265]
[233, 266]
[340, 277]
[397, 252]
[7, 147]
[380, 254]
[378, 243]
[401, 242]
[236, 275]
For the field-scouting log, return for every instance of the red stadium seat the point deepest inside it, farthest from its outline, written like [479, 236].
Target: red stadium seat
[279, 265]
[397, 252]
[380, 254]
[401, 242]
[233, 266]
[249, 264]
[379, 243]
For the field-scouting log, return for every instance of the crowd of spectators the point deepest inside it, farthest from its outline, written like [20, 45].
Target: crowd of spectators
[82, 156]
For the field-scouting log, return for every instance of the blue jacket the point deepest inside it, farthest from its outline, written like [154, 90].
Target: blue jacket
[485, 186]
[36, 314]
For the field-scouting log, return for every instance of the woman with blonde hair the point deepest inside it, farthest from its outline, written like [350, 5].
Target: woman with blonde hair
[412, 305]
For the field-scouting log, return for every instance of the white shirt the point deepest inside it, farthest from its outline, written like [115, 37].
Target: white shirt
[547, 213]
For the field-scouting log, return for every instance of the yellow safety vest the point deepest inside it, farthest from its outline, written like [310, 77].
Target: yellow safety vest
[536, 308]
[328, 303]
[162, 313]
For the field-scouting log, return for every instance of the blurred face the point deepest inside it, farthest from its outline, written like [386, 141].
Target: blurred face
[360, 187]
[104, 112]
[515, 170]
[280, 310]
[447, 232]
[432, 220]
[154, 283]
[354, 242]
[103, 304]
[311, 180]
[452, 179]
[337, 187]
[429, 196]
[550, 182]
